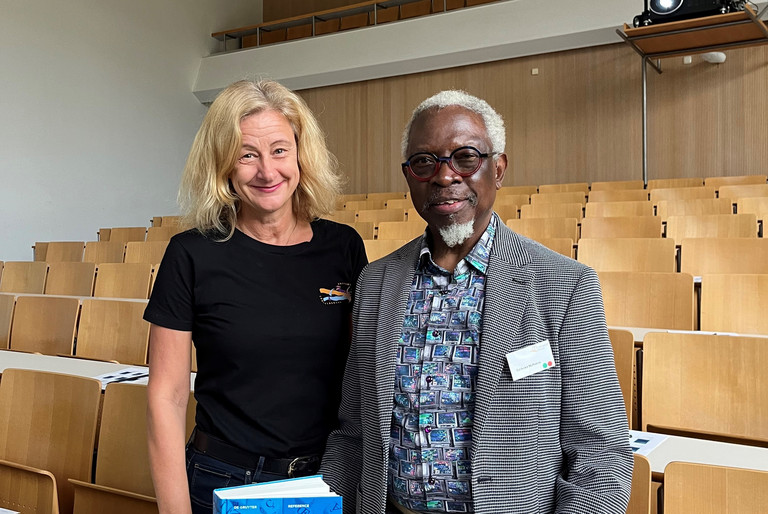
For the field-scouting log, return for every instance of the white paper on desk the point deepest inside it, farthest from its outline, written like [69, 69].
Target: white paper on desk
[6, 511]
[135, 375]
[644, 443]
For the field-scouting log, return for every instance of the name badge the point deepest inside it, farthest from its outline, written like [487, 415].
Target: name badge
[531, 359]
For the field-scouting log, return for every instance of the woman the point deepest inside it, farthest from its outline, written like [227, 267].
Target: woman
[262, 287]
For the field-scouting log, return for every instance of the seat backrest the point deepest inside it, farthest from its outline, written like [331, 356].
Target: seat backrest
[542, 228]
[681, 193]
[342, 216]
[723, 255]
[378, 248]
[650, 300]
[511, 199]
[614, 209]
[7, 303]
[113, 330]
[398, 203]
[711, 225]
[163, 233]
[40, 249]
[663, 183]
[70, 278]
[44, 324]
[552, 210]
[49, 422]
[561, 197]
[366, 229]
[735, 303]
[621, 226]
[517, 190]
[24, 277]
[617, 185]
[743, 191]
[406, 230]
[29, 489]
[708, 489]
[619, 195]
[629, 254]
[104, 251]
[389, 195]
[122, 461]
[581, 187]
[705, 384]
[149, 252]
[507, 211]
[738, 180]
[65, 251]
[623, 343]
[126, 234]
[696, 207]
[757, 206]
[377, 215]
[169, 221]
[123, 280]
[640, 495]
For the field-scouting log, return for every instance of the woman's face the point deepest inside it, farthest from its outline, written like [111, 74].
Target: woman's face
[267, 172]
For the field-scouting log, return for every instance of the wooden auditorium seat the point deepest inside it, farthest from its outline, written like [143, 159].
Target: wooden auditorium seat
[44, 324]
[377, 215]
[49, 423]
[150, 252]
[24, 277]
[619, 195]
[104, 251]
[640, 498]
[403, 230]
[711, 225]
[582, 187]
[623, 343]
[123, 280]
[27, 490]
[708, 489]
[629, 254]
[616, 185]
[723, 255]
[666, 183]
[744, 191]
[65, 251]
[378, 248]
[510, 199]
[740, 180]
[164, 233]
[696, 207]
[366, 229]
[398, 203]
[40, 249]
[113, 330]
[342, 216]
[544, 228]
[166, 221]
[7, 303]
[651, 300]
[756, 206]
[70, 278]
[621, 226]
[507, 211]
[561, 197]
[552, 210]
[682, 193]
[735, 303]
[517, 190]
[618, 209]
[122, 481]
[125, 234]
[706, 386]
[389, 195]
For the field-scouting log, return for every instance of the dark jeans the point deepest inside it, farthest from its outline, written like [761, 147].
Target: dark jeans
[205, 473]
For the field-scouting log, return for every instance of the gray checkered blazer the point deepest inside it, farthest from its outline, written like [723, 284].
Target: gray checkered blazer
[555, 441]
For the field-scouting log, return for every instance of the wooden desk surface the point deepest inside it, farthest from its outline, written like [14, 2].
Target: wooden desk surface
[80, 367]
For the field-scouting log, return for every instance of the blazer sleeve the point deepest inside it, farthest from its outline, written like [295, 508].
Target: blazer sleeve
[593, 431]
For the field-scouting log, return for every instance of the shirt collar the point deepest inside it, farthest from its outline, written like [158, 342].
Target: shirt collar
[477, 257]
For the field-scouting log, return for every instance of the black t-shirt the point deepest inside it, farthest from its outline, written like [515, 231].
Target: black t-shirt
[271, 326]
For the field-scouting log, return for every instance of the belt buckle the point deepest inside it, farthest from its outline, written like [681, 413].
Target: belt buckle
[292, 467]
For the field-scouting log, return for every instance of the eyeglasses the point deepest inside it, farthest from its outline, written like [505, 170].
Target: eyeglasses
[464, 161]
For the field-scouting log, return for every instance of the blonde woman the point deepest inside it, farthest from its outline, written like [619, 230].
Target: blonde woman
[262, 285]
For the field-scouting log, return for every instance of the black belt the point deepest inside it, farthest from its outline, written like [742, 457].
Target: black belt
[291, 467]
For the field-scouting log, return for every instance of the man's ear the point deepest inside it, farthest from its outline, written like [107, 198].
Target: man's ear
[500, 169]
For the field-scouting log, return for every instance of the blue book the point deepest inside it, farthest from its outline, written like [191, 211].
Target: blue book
[305, 495]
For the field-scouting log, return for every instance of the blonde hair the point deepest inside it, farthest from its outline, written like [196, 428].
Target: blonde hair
[207, 199]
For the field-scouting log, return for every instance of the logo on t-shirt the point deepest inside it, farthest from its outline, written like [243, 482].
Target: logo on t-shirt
[338, 294]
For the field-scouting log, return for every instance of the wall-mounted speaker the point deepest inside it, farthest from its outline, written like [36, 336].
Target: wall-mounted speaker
[662, 11]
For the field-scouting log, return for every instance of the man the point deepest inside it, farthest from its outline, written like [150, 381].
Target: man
[480, 378]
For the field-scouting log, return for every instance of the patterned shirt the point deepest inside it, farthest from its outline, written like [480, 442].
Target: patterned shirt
[436, 374]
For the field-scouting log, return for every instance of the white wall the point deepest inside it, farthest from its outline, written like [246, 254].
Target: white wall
[97, 111]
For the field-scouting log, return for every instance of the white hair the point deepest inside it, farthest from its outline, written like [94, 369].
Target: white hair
[457, 234]
[494, 124]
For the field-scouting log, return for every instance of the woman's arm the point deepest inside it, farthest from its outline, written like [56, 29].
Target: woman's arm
[168, 395]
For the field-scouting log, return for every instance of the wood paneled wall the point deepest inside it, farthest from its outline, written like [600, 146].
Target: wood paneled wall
[578, 120]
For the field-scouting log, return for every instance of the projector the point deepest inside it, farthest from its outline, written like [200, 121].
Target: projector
[663, 11]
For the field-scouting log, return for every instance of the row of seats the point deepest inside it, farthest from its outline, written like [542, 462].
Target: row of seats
[54, 424]
[100, 251]
[106, 280]
[90, 328]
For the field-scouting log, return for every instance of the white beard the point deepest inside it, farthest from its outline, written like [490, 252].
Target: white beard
[456, 234]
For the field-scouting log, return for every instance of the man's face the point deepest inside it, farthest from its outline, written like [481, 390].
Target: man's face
[448, 198]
